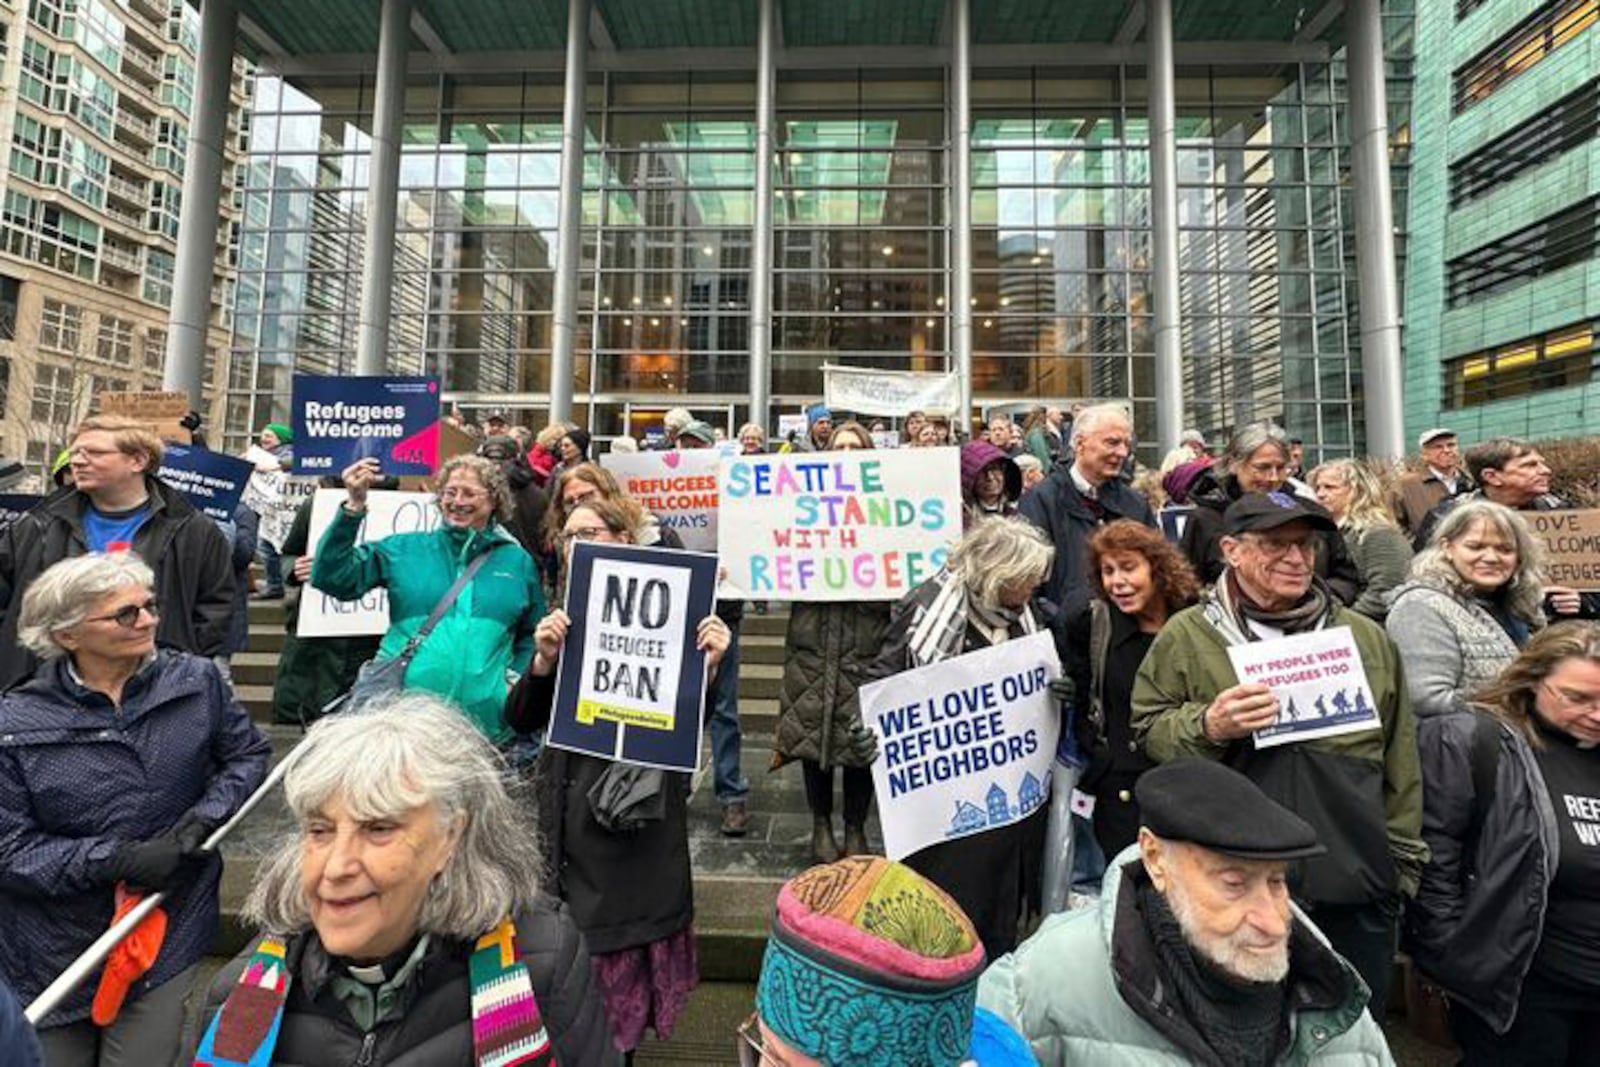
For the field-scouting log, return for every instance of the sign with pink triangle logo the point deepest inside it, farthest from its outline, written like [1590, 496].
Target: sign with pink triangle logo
[339, 420]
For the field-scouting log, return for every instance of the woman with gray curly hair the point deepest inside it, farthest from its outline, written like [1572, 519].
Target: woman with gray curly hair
[486, 634]
[1471, 604]
[402, 920]
[117, 761]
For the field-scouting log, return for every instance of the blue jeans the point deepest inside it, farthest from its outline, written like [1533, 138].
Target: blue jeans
[727, 779]
[267, 553]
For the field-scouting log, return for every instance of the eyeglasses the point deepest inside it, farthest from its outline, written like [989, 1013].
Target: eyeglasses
[1272, 546]
[584, 533]
[1589, 701]
[466, 496]
[128, 617]
[91, 453]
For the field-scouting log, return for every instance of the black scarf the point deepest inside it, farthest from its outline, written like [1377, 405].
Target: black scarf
[1301, 618]
[1244, 1023]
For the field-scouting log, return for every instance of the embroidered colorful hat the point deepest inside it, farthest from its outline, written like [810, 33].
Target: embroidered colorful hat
[870, 963]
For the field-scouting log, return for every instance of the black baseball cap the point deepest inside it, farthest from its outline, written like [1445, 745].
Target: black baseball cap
[1268, 511]
[1204, 803]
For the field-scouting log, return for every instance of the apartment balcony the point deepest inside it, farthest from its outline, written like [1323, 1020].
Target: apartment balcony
[137, 129]
[144, 67]
[134, 220]
[136, 193]
[153, 10]
[120, 259]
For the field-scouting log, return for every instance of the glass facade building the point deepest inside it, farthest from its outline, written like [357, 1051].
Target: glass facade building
[862, 177]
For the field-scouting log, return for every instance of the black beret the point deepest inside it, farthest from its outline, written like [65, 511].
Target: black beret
[1268, 511]
[1204, 803]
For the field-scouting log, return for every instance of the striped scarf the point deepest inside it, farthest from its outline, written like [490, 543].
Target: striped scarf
[939, 630]
[507, 1028]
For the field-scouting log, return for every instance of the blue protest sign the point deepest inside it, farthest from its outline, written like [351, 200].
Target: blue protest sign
[213, 481]
[631, 685]
[338, 420]
[15, 505]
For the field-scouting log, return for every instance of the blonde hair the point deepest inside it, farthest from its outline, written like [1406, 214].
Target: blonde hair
[130, 437]
[1367, 509]
[1524, 592]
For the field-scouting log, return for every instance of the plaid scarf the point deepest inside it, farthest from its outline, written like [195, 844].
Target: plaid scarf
[939, 628]
[507, 1029]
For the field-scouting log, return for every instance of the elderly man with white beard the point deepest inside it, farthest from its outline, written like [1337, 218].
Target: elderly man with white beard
[1194, 952]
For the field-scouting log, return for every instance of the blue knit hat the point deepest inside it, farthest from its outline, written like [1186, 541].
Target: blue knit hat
[816, 413]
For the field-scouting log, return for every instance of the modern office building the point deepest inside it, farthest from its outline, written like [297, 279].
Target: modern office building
[1002, 190]
[95, 97]
[1503, 286]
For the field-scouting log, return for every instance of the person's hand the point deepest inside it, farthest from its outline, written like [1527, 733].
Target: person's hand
[151, 864]
[1564, 599]
[1064, 689]
[358, 478]
[302, 569]
[191, 832]
[712, 637]
[548, 637]
[1240, 711]
[861, 745]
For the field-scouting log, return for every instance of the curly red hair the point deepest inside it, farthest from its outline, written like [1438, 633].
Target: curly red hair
[1174, 578]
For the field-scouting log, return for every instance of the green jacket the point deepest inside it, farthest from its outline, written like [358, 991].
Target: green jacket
[1361, 791]
[1087, 988]
[489, 629]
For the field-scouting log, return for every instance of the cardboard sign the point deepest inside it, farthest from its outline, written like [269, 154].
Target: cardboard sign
[1571, 546]
[213, 481]
[869, 391]
[860, 525]
[678, 487]
[1319, 682]
[15, 505]
[159, 411]
[965, 745]
[338, 420]
[388, 513]
[631, 686]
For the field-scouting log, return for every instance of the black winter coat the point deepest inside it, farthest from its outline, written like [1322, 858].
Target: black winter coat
[1056, 507]
[436, 1028]
[624, 889]
[190, 557]
[1479, 912]
[827, 654]
[1202, 538]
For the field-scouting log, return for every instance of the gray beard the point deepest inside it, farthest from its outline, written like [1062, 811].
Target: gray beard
[1225, 953]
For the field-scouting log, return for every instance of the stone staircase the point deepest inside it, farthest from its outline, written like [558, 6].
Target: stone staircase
[736, 880]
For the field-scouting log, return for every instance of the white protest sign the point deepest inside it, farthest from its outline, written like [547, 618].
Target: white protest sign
[1318, 679]
[886, 439]
[965, 745]
[633, 645]
[869, 391]
[388, 513]
[857, 525]
[678, 487]
[792, 424]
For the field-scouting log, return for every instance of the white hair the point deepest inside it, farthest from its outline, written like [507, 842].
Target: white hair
[66, 592]
[621, 445]
[1089, 419]
[1000, 553]
[394, 756]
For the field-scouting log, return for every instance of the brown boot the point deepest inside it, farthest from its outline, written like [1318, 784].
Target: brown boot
[855, 840]
[824, 849]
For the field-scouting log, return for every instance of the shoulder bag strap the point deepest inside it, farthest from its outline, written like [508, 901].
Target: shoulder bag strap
[443, 606]
[1485, 760]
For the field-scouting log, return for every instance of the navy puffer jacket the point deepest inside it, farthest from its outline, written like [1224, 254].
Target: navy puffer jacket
[79, 778]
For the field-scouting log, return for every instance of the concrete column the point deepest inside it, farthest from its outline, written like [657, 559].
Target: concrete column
[564, 325]
[961, 205]
[761, 234]
[1164, 291]
[1382, 367]
[383, 188]
[202, 194]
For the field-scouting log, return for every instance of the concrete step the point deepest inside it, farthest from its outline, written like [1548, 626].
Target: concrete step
[267, 611]
[775, 623]
[760, 648]
[267, 638]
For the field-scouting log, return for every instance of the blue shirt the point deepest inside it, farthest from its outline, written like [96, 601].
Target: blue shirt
[104, 528]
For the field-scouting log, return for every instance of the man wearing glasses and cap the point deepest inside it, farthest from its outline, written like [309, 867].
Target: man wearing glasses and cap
[1194, 952]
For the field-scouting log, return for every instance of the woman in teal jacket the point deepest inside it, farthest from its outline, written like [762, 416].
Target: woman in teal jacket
[488, 631]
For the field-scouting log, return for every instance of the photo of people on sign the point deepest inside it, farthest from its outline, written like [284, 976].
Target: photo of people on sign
[861, 525]
[339, 420]
[1319, 682]
[964, 745]
[631, 686]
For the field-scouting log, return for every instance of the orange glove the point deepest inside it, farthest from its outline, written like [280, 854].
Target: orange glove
[129, 960]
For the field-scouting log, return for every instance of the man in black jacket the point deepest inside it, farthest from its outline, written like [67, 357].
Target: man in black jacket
[1081, 496]
[117, 503]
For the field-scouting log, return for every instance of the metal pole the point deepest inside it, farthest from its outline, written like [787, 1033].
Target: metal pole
[961, 208]
[95, 954]
[383, 188]
[761, 234]
[202, 194]
[1159, 79]
[1382, 367]
[564, 325]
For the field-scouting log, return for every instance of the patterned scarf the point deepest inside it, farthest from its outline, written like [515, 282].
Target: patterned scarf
[507, 1028]
[939, 631]
[1231, 612]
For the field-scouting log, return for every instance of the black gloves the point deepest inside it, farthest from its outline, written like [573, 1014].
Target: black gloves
[861, 746]
[1063, 689]
[191, 832]
[151, 864]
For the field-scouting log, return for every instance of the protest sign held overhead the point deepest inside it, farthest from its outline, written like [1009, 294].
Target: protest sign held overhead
[870, 391]
[388, 512]
[161, 412]
[964, 745]
[212, 481]
[339, 420]
[859, 525]
[679, 488]
[1318, 679]
[631, 684]
[1571, 546]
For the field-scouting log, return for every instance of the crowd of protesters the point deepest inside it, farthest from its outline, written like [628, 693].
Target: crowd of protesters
[453, 891]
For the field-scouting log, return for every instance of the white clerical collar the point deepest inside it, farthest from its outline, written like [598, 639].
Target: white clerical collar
[1082, 484]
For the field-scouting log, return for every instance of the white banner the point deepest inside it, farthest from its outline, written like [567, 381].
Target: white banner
[868, 391]
[964, 746]
[859, 525]
[388, 513]
[678, 487]
[1319, 681]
